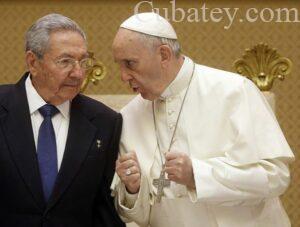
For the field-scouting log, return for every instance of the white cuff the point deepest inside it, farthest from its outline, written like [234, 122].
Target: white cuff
[130, 199]
[192, 193]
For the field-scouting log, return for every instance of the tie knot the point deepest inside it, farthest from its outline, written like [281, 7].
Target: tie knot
[48, 110]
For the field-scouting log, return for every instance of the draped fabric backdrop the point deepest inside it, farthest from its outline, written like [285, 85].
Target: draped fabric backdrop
[207, 43]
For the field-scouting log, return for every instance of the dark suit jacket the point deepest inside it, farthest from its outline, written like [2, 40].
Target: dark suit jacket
[81, 195]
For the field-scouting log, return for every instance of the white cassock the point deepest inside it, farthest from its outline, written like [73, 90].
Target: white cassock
[239, 154]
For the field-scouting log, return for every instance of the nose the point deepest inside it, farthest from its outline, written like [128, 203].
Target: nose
[77, 71]
[125, 76]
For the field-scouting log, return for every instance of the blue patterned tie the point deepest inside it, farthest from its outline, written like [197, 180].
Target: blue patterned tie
[46, 149]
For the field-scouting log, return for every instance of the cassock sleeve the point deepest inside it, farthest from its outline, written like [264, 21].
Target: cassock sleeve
[255, 167]
[132, 207]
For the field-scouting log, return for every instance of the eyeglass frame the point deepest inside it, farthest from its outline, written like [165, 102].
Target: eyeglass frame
[72, 63]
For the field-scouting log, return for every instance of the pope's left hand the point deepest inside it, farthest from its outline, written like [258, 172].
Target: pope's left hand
[179, 169]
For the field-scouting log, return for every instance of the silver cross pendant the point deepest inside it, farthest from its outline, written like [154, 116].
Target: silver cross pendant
[160, 183]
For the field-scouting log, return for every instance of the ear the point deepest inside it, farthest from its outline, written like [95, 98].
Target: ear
[165, 54]
[32, 63]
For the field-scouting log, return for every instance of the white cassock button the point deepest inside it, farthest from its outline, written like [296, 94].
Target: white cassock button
[170, 112]
[169, 99]
[171, 126]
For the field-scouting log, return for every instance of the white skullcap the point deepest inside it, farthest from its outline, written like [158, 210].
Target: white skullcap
[150, 23]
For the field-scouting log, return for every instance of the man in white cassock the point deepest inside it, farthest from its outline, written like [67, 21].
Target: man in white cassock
[200, 146]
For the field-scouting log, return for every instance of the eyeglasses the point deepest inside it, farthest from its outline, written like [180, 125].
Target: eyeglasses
[70, 63]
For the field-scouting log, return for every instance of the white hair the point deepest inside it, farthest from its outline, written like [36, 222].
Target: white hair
[37, 36]
[153, 41]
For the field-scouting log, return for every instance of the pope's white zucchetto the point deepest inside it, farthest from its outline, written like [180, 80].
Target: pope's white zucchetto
[151, 24]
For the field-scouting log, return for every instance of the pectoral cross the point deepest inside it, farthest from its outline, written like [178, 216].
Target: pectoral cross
[160, 183]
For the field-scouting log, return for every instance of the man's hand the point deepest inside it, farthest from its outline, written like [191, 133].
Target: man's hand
[179, 169]
[128, 169]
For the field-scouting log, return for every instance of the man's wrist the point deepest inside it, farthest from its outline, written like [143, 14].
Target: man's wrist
[132, 192]
[130, 198]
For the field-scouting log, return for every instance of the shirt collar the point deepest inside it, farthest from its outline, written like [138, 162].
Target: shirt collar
[35, 101]
[181, 80]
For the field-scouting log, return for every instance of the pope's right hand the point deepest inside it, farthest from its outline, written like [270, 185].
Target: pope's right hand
[128, 169]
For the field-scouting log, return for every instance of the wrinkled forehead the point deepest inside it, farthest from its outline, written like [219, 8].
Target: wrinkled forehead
[67, 41]
[127, 38]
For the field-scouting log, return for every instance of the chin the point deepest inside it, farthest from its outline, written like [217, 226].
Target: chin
[148, 96]
[67, 97]
[71, 92]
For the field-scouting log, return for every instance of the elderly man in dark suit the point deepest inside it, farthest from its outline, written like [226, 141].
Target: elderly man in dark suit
[57, 147]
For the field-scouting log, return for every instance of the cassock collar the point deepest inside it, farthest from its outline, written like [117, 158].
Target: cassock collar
[181, 80]
[35, 101]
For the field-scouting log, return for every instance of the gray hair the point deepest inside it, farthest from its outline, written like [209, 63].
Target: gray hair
[37, 36]
[154, 40]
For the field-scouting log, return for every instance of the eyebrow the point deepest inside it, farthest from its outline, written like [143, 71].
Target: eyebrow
[130, 59]
[65, 55]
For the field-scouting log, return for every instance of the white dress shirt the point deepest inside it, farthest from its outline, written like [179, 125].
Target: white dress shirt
[60, 121]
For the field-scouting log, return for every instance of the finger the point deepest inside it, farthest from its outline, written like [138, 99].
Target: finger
[120, 172]
[171, 163]
[131, 171]
[171, 170]
[118, 166]
[132, 179]
[172, 155]
[172, 177]
[134, 169]
[127, 156]
[121, 168]
[128, 164]
[117, 162]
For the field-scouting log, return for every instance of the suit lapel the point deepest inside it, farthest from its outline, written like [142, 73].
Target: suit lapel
[19, 135]
[80, 137]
